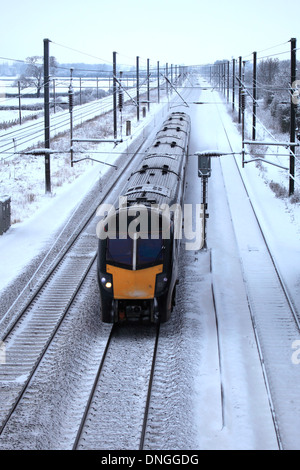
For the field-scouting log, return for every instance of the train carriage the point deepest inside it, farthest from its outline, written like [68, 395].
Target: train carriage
[140, 239]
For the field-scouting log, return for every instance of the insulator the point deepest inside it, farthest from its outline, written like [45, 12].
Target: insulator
[121, 100]
[243, 99]
[71, 97]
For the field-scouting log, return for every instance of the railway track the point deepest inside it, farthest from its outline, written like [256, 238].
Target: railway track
[28, 341]
[275, 320]
[117, 410]
[19, 138]
[116, 413]
[28, 333]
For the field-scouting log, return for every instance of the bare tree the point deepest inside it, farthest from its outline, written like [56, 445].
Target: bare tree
[33, 76]
[266, 75]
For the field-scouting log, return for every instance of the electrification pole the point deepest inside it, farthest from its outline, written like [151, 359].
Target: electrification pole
[240, 89]
[158, 95]
[254, 95]
[148, 83]
[167, 84]
[47, 115]
[137, 89]
[115, 94]
[71, 104]
[19, 96]
[293, 119]
[233, 83]
[228, 69]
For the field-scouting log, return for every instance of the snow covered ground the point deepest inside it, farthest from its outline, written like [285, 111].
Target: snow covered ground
[280, 221]
[279, 217]
[237, 415]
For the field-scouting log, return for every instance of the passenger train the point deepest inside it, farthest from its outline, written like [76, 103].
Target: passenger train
[138, 250]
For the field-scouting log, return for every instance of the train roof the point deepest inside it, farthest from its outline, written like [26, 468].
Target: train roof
[159, 176]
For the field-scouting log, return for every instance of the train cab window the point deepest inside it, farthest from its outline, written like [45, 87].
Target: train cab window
[119, 251]
[149, 252]
[135, 253]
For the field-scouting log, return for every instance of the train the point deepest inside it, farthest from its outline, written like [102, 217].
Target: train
[139, 240]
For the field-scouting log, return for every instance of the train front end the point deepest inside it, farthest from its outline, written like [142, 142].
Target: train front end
[139, 243]
[135, 269]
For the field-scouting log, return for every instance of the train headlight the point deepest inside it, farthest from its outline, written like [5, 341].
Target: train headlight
[161, 283]
[106, 281]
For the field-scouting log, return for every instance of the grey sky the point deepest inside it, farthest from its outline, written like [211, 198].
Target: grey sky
[185, 31]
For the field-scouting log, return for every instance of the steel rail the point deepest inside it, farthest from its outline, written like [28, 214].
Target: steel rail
[146, 412]
[250, 306]
[93, 389]
[45, 348]
[43, 285]
[67, 246]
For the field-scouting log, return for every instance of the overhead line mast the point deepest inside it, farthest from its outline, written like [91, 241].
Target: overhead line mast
[47, 114]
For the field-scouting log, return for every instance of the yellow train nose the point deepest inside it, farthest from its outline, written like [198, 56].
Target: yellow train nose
[138, 284]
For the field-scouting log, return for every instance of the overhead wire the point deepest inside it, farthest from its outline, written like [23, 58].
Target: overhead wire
[29, 134]
[287, 155]
[288, 89]
[19, 136]
[273, 55]
[61, 123]
[14, 60]
[81, 52]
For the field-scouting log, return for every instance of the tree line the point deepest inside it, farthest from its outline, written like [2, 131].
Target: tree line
[273, 89]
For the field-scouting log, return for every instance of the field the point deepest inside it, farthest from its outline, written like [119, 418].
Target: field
[22, 177]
